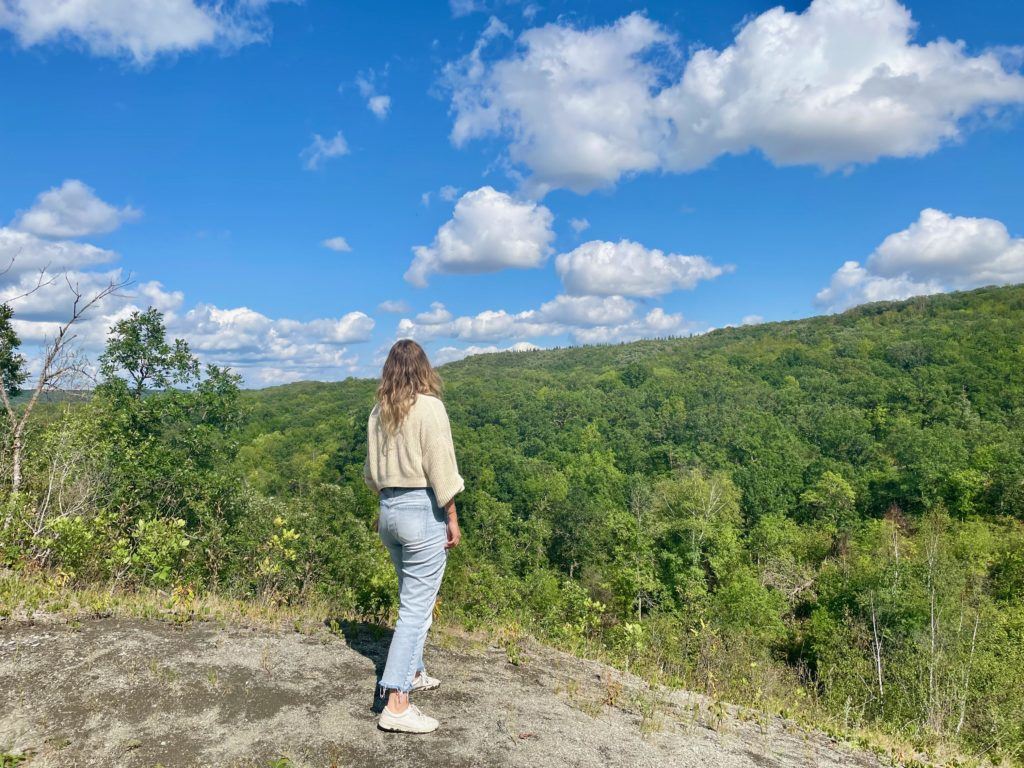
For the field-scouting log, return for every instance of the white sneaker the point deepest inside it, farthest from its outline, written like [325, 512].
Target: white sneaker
[424, 682]
[410, 721]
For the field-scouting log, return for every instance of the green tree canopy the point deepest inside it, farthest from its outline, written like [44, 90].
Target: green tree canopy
[139, 350]
[12, 363]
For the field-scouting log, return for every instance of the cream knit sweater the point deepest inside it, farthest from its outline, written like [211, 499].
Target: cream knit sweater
[419, 455]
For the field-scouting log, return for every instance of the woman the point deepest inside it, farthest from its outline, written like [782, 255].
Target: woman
[410, 463]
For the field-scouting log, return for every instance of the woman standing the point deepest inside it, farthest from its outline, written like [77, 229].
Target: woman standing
[410, 463]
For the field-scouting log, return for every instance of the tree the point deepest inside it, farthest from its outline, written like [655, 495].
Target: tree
[138, 347]
[634, 374]
[831, 500]
[12, 363]
[59, 362]
[698, 531]
[631, 565]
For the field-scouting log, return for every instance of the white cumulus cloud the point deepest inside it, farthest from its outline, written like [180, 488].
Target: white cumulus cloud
[488, 231]
[438, 314]
[451, 354]
[339, 244]
[579, 225]
[137, 29]
[448, 193]
[489, 325]
[378, 103]
[72, 210]
[655, 324]
[466, 7]
[841, 83]
[586, 311]
[39, 306]
[267, 350]
[587, 319]
[322, 149]
[396, 306]
[22, 252]
[37, 278]
[938, 252]
[603, 268]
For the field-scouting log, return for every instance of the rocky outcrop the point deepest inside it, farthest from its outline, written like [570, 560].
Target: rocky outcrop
[115, 692]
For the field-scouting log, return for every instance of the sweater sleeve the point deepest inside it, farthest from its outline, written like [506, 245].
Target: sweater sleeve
[438, 449]
[368, 478]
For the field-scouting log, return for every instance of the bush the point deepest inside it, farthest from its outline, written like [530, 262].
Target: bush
[157, 550]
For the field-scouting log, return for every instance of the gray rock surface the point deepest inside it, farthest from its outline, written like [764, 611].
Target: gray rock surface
[112, 692]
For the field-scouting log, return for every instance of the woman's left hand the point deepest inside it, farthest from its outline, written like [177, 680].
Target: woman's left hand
[454, 532]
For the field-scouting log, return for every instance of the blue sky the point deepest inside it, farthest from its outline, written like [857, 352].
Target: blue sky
[722, 162]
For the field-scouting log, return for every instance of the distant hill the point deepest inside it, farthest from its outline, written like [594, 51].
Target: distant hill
[54, 396]
[863, 393]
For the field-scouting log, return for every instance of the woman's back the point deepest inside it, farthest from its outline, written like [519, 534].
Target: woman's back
[419, 454]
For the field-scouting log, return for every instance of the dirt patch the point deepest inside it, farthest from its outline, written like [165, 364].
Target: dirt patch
[132, 693]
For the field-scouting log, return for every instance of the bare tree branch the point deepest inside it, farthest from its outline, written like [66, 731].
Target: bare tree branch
[59, 362]
[42, 281]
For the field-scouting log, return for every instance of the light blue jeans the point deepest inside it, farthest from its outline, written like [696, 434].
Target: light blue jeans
[414, 530]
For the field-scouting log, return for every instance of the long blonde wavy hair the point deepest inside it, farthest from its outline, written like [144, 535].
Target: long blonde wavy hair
[407, 373]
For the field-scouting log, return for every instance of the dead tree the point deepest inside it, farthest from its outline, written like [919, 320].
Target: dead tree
[59, 362]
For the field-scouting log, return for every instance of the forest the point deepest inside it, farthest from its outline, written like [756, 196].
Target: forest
[821, 517]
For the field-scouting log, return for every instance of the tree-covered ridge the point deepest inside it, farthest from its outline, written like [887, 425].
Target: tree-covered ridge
[910, 402]
[824, 516]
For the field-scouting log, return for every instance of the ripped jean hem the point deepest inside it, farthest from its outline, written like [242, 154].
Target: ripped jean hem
[383, 688]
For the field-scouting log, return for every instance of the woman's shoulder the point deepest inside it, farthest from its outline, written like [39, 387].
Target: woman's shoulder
[429, 403]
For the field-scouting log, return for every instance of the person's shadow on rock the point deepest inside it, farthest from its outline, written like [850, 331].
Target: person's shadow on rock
[372, 641]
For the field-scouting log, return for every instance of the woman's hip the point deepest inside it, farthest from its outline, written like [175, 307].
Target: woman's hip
[410, 516]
